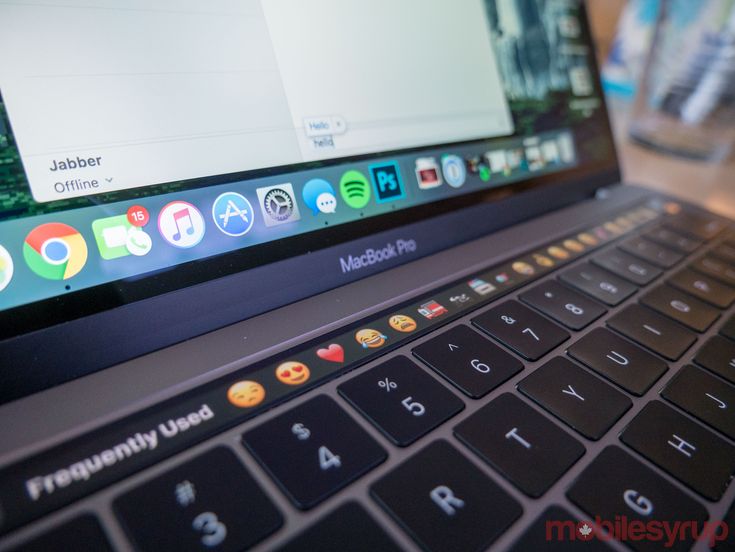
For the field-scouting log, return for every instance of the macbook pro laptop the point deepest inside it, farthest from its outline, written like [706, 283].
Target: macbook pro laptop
[345, 275]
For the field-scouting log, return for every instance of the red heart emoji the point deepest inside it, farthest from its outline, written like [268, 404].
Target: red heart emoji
[333, 353]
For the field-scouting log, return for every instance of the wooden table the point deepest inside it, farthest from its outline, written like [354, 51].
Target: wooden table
[712, 186]
[708, 184]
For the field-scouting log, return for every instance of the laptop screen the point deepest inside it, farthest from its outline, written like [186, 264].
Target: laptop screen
[155, 145]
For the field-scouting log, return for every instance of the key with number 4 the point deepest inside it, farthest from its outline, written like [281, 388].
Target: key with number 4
[313, 450]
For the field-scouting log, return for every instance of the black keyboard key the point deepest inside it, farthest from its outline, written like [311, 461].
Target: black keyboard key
[703, 287]
[672, 240]
[529, 334]
[715, 268]
[556, 530]
[575, 396]
[705, 397]
[718, 356]
[728, 328]
[445, 502]
[651, 252]
[468, 360]
[313, 450]
[83, 532]
[520, 443]
[615, 485]
[685, 449]
[627, 266]
[401, 400]
[619, 360]
[349, 527]
[208, 502]
[703, 227]
[651, 330]
[683, 308]
[724, 251]
[562, 304]
[598, 283]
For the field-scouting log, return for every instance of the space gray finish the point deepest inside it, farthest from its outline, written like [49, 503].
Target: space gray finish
[57, 414]
[528, 235]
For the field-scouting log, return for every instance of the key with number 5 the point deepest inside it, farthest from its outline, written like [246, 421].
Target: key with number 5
[402, 400]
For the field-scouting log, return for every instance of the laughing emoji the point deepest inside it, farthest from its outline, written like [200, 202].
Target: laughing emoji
[370, 338]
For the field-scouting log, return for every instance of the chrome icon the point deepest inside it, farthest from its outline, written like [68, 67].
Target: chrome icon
[55, 251]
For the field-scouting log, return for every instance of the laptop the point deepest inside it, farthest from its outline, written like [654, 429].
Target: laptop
[346, 275]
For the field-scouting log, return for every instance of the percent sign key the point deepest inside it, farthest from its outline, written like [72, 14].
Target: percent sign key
[401, 400]
[387, 385]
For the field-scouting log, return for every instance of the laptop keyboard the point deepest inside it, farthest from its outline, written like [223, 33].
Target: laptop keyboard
[455, 461]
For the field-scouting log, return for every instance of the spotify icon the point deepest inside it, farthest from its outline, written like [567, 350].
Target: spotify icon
[354, 188]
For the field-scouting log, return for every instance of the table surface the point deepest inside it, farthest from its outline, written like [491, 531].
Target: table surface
[711, 185]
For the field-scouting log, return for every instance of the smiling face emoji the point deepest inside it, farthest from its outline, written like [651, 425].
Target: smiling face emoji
[402, 323]
[370, 338]
[573, 245]
[246, 394]
[293, 373]
[558, 252]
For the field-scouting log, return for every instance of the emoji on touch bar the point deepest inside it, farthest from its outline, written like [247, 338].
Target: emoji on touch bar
[543, 260]
[246, 394]
[587, 238]
[402, 323]
[333, 353]
[601, 233]
[293, 372]
[523, 268]
[558, 252]
[369, 338]
[573, 245]
[613, 228]
[624, 223]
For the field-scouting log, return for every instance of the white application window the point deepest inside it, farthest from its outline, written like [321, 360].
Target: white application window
[372, 75]
[106, 95]
[127, 94]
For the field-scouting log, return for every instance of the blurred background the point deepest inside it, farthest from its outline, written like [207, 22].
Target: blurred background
[668, 68]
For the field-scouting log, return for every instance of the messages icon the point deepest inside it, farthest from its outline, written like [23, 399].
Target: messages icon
[319, 196]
